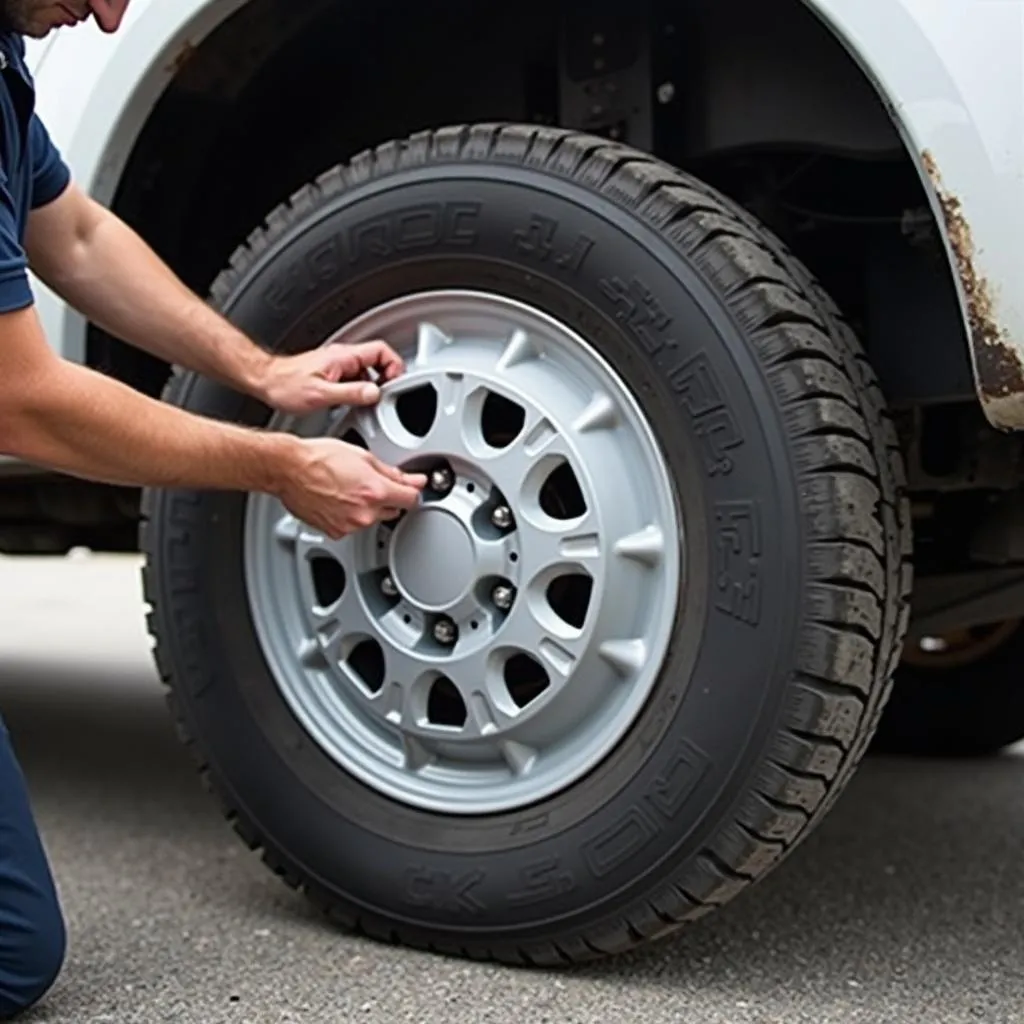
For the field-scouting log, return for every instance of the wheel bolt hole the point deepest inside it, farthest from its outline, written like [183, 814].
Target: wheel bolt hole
[445, 706]
[417, 409]
[525, 679]
[513, 557]
[329, 580]
[569, 597]
[561, 496]
[501, 420]
[367, 661]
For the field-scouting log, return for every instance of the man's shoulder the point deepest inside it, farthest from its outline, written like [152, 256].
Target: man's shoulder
[13, 53]
[13, 43]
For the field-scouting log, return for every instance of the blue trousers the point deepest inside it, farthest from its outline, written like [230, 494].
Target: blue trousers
[32, 932]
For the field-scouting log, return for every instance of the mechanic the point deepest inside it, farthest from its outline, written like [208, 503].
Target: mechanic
[63, 416]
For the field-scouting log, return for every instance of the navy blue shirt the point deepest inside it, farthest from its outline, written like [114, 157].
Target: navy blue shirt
[32, 171]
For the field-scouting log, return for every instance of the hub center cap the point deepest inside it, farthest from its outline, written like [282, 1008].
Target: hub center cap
[432, 558]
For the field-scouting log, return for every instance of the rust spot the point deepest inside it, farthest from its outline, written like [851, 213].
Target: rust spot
[184, 54]
[1000, 373]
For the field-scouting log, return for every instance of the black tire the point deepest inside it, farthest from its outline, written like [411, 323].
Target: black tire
[769, 416]
[967, 710]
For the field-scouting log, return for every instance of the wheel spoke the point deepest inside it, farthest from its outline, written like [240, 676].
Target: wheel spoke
[384, 433]
[489, 711]
[549, 543]
[540, 438]
[486, 715]
[337, 625]
[446, 434]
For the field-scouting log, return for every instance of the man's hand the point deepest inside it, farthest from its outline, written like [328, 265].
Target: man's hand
[329, 376]
[340, 488]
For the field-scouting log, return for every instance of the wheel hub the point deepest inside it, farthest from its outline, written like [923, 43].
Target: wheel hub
[493, 644]
[417, 543]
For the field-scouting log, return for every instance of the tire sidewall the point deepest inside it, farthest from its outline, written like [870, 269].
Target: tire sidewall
[670, 785]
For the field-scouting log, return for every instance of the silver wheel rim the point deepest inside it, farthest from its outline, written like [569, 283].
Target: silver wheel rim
[450, 660]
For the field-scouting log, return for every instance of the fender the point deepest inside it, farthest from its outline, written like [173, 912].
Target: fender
[948, 73]
[950, 76]
[95, 93]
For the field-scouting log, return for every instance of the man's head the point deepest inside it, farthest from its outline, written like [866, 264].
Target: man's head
[37, 18]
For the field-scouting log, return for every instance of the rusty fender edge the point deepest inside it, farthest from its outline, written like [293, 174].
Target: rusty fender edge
[999, 369]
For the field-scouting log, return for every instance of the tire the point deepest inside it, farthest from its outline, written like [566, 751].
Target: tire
[784, 625]
[968, 707]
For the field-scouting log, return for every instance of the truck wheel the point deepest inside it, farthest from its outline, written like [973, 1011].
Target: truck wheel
[639, 634]
[957, 696]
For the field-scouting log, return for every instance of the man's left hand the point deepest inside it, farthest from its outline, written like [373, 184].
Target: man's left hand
[328, 376]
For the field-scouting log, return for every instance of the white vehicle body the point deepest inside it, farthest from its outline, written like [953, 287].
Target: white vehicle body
[950, 74]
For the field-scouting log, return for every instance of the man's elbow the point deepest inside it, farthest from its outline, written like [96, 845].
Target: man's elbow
[28, 404]
[19, 425]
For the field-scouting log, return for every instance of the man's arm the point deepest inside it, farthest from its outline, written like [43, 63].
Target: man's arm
[66, 417]
[102, 268]
[69, 418]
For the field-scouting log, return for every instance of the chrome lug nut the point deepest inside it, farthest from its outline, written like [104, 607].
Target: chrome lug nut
[387, 587]
[503, 595]
[502, 517]
[445, 632]
[442, 480]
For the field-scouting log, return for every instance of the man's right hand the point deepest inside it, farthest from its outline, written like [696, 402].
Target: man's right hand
[339, 488]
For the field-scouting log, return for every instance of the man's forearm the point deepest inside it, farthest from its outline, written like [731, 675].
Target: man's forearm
[106, 271]
[85, 424]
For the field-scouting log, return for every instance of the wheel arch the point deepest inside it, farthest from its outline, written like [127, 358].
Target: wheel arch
[99, 115]
[955, 103]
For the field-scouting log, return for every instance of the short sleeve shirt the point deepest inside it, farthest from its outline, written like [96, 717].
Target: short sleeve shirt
[32, 171]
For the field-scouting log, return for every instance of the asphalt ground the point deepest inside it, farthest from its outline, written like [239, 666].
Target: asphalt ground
[907, 905]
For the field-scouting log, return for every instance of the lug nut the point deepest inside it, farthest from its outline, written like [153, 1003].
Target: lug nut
[442, 480]
[445, 632]
[387, 587]
[503, 595]
[502, 517]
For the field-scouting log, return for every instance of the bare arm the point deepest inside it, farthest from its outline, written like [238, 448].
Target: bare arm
[69, 418]
[102, 268]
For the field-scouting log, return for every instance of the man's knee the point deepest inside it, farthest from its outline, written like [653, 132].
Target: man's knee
[32, 962]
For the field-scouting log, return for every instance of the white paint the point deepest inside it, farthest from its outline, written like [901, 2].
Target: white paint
[952, 72]
[94, 93]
